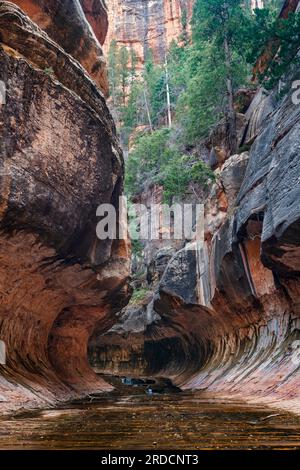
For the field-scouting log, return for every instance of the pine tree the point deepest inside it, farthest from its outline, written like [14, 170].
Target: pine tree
[133, 64]
[184, 26]
[275, 39]
[218, 25]
[123, 72]
[112, 70]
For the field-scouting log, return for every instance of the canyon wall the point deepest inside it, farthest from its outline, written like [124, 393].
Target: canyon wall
[225, 316]
[149, 24]
[222, 317]
[78, 26]
[60, 159]
[146, 24]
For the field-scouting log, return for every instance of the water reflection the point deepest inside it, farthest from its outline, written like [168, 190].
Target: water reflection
[129, 418]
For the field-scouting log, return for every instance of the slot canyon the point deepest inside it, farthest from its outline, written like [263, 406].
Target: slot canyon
[219, 324]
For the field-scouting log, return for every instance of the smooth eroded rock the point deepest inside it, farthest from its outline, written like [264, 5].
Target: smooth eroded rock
[60, 159]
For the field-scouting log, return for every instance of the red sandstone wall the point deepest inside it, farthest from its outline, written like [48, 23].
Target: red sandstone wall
[144, 24]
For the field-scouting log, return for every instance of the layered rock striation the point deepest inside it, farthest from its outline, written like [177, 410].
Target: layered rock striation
[225, 317]
[147, 24]
[78, 26]
[60, 159]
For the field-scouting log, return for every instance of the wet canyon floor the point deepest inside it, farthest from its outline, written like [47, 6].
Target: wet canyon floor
[130, 419]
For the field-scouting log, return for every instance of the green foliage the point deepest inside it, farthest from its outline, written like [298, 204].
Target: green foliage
[113, 70]
[201, 104]
[133, 114]
[213, 20]
[133, 64]
[184, 20]
[205, 100]
[154, 87]
[201, 74]
[136, 247]
[49, 71]
[154, 159]
[179, 173]
[121, 73]
[178, 57]
[147, 157]
[139, 295]
[281, 37]
[184, 37]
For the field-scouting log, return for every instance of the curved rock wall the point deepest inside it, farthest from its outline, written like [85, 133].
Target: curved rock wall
[70, 24]
[226, 316]
[146, 24]
[254, 273]
[96, 13]
[60, 159]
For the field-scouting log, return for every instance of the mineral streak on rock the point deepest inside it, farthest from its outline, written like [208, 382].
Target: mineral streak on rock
[254, 269]
[96, 14]
[60, 159]
[79, 27]
[226, 317]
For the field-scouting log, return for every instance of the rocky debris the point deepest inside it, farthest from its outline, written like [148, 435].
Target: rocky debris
[162, 386]
[68, 26]
[243, 98]
[253, 108]
[180, 279]
[132, 381]
[150, 385]
[218, 140]
[216, 207]
[59, 160]
[155, 386]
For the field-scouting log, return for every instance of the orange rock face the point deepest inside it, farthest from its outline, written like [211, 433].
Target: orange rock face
[67, 24]
[60, 160]
[226, 317]
[146, 24]
[96, 14]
